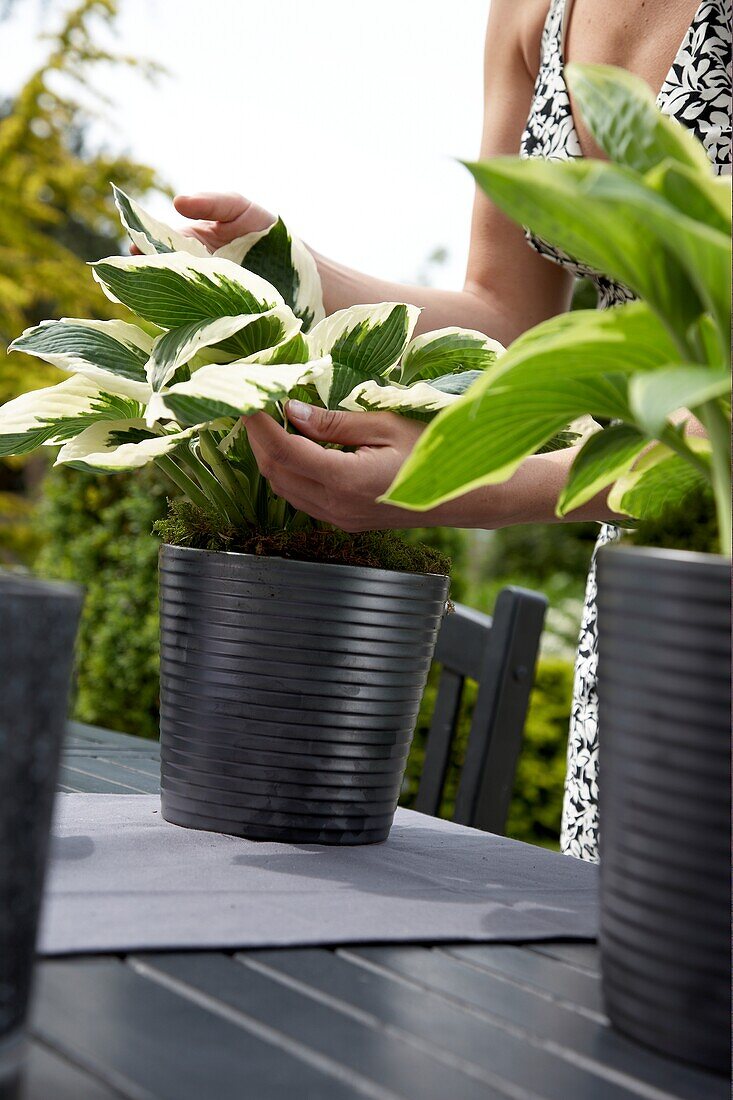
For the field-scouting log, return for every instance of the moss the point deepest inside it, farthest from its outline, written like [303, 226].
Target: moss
[187, 525]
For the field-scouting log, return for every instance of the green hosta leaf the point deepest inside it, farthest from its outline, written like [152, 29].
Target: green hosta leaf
[660, 480]
[604, 458]
[178, 346]
[621, 113]
[704, 198]
[606, 217]
[293, 350]
[654, 397]
[119, 445]
[95, 349]
[569, 366]
[236, 389]
[285, 262]
[175, 289]
[150, 235]
[447, 351]
[364, 342]
[58, 413]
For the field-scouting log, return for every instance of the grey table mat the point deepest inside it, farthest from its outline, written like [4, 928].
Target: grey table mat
[122, 879]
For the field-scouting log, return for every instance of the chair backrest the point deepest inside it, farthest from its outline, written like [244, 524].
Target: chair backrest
[499, 653]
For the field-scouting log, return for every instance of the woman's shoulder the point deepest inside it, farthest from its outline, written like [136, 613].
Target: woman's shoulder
[523, 24]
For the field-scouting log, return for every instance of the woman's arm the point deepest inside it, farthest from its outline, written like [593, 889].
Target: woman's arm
[508, 287]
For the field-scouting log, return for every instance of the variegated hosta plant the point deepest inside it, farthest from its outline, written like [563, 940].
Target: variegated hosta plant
[213, 338]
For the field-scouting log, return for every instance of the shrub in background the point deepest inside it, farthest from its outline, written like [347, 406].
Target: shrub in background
[97, 532]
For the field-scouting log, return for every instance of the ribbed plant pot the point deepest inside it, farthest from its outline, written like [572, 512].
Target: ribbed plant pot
[38, 624]
[289, 693]
[664, 790]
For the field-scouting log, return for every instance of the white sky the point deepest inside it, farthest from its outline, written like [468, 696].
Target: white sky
[344, 116]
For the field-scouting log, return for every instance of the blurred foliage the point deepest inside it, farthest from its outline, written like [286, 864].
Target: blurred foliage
[57, 209]
[97, 531]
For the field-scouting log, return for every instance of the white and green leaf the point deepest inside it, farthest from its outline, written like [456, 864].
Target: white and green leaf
[57, 413]
[364, 342]
[175, 289]
[284, 261]
[112, 353]
[447, 351]
[237, 389]
[177, 347]
[150, 235]
[112, 446]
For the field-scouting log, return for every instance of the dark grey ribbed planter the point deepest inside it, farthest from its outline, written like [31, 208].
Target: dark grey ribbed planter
[289, 693]
[664, 783]
[38, 624]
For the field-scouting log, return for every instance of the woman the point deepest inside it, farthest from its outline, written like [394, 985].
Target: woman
[681, 49]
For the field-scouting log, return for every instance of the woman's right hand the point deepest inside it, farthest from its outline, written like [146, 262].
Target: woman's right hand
[219, 217]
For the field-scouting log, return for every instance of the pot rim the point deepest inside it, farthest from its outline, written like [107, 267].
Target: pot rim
[333, 567]
[693, 557]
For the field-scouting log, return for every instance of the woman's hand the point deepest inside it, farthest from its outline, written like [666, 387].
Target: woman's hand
[339, 487]
[219, 217]
[342, 487]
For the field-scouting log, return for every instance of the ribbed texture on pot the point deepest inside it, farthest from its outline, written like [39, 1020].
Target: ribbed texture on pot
[664, 783]
[289, 693]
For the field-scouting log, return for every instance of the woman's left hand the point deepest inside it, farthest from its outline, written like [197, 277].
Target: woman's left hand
[338, 487]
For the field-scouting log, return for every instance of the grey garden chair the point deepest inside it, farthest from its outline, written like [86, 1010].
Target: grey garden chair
[499, 653]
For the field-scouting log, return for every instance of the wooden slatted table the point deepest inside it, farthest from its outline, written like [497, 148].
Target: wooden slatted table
[456, 1022]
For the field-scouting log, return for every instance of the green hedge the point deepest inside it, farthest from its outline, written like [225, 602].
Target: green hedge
[96, 531]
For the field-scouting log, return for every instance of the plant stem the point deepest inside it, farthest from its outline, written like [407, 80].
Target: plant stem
[718, 429]
[225, 475]
[181, 479]
[218, 496]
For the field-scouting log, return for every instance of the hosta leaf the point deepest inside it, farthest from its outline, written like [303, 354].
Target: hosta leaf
[661, 480]
[419, 399]
[178, 346]
[285, 262]
[58, 413]
[236, 389]
[567, 367]
[606, 217]
[112, 353]
[621, 113]
[655, 396]
[150, 235]
[704, 198]
[119, 445]
[293, 350]
[364, 342]
[175, 289]
[604, 458]
[447, 351]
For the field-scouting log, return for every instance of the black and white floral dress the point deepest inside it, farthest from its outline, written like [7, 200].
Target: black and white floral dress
[697, 92]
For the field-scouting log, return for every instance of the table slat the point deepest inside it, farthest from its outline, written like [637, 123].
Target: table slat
[146, 1037]
[363, 1046]
[548, 975]
[514, 1063]
[522, 1009]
